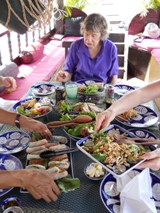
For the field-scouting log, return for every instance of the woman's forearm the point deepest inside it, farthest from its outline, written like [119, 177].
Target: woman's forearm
[11, 178]
[136, 97]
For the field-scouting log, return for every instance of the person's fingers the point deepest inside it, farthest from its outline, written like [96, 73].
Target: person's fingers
[151, 155]
[55, 188]
[152, 164]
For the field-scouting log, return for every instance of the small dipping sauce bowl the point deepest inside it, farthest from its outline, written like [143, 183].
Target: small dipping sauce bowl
[10, 202]
[94, 171]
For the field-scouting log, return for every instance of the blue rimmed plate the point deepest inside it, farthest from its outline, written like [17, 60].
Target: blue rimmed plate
[13, 142]
[9, 162]
[39, 108]
[111, 197]
[43, 89]
[142, 133]
[116, 171]
[122, 89]
[145, 117]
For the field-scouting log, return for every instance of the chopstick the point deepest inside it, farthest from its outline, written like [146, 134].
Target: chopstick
[122, 118]
[50, 126]
[147, 141]
[143, 139]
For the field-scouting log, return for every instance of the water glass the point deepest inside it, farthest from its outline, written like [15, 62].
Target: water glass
[71, 90]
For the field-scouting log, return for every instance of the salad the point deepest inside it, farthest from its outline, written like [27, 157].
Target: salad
[34, 107]
[89, 89]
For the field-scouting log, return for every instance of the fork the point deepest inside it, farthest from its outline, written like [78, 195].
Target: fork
[133, 141]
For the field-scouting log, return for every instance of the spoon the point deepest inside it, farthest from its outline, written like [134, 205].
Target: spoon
[78, 119]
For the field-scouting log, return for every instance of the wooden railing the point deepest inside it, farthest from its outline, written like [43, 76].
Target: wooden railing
[11, 43]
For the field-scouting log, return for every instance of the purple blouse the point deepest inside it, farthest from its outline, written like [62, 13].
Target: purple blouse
[83, 67]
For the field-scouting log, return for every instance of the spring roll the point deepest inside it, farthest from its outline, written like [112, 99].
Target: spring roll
[59, 164]
[35, 166]
[38, 143]
[34, 149]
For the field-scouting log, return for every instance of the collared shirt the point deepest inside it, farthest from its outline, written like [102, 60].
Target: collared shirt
[83, 67]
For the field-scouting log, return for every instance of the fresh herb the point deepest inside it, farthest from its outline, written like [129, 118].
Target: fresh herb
[68, 184]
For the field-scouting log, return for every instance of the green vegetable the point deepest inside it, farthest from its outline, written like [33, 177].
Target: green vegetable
[99, 156]
[36, 136]
[91, 89]
[20, 110]
[68, 184]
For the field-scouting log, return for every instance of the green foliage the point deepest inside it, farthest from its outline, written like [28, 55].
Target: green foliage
[80, 4]
[151, 4]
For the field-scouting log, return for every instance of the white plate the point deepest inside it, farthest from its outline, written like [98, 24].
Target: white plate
[111, 197]
[145, 117]
[9, 162]
[13, 142]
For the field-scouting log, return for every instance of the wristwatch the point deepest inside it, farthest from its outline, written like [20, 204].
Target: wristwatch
[17, 122]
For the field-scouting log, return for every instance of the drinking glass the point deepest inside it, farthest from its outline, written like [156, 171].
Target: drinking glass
[71, 90]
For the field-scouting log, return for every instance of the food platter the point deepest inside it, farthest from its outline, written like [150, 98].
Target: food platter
[88, 147]
[43, 89]
[145, 117]
[33, 107]
[111, 198]
[59, 164]
[122, 89]
[9, 162]
[13, 142]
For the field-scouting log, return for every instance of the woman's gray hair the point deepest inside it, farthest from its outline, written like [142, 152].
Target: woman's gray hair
[95, 22]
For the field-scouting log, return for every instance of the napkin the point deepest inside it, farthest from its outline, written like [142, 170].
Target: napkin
[136, 195]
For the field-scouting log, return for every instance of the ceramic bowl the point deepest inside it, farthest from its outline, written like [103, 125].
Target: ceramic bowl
[94, 171]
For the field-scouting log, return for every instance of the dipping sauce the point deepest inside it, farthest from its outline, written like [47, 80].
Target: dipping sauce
[10, 202]
[95, 170]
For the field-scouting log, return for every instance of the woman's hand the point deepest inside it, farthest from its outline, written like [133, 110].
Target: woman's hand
[152, 160]
[104, 119]
[33, 125]
[63, 76]
[9, 83]
[40, 184]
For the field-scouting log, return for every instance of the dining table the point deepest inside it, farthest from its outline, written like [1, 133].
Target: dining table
[85, 199]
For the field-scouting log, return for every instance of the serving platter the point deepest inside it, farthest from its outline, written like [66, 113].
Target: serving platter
[43, 89]
[55, 140]
[13, 141]
[145, 117]
[111, 197]
[9, 162]
[119, 170]
[39, 108]
[122, 89]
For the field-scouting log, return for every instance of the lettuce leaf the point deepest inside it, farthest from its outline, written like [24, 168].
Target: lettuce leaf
[68, 184]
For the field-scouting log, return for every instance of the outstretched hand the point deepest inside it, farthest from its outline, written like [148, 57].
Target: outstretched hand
[104, 119]
[41, 185]
[152, 160]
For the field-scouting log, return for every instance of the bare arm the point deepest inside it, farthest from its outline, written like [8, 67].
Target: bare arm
[113, 80]
[128, 101]
[8, 117]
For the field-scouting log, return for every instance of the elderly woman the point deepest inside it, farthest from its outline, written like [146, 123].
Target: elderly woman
[92, 57]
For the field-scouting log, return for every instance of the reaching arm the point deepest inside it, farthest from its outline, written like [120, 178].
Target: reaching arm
[128, 101]
[8, 117]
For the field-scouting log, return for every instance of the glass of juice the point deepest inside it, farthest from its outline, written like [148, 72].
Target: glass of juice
[71, 90]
